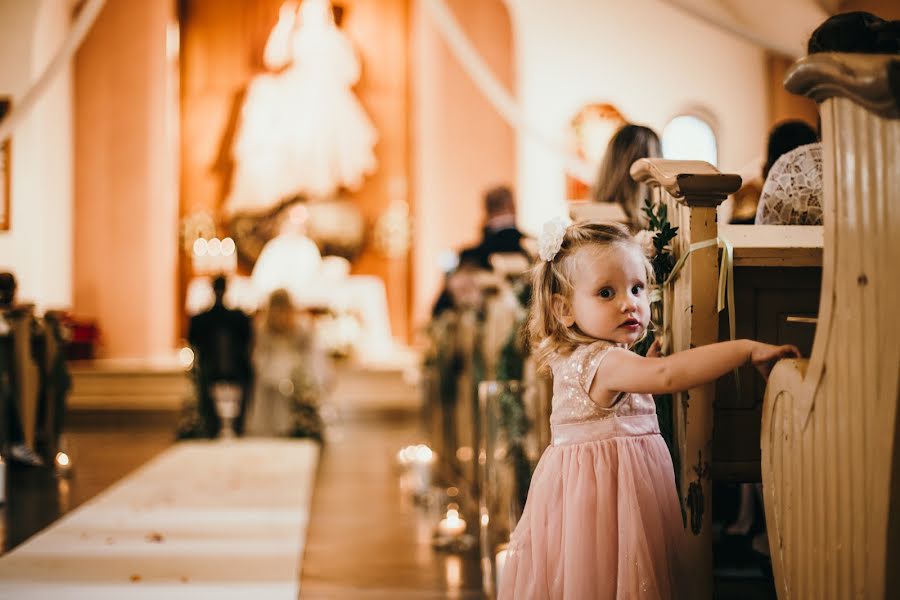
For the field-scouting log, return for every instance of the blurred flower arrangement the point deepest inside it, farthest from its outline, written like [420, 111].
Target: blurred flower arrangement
[338, 331]
[513, 417]
[306, 392]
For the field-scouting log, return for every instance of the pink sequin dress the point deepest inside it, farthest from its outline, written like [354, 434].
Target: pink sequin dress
[602, 518]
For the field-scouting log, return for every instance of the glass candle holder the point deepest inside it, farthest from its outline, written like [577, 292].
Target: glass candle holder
[227, 397]
[505, 471]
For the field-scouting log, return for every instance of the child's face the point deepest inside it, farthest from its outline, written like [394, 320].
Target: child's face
[610, 300]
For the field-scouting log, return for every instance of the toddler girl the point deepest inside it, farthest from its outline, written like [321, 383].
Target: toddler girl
[602, 518]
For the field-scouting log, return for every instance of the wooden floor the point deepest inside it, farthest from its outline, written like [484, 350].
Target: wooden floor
[366, 538]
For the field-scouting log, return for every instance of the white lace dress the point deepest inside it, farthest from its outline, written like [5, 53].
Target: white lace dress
[792, 194]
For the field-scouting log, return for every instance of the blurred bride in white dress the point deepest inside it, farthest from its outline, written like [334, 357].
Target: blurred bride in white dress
[292, 373]
[302, 129]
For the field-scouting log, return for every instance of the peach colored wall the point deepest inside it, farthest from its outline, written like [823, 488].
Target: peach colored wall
[461, 145]
[886, 9]
[37, 247]
[784, 105]
[125, 208]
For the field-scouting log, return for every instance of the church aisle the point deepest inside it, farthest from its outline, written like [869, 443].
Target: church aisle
[365, 539]
[217, 518]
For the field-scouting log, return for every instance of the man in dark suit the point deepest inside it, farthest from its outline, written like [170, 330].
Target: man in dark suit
[500, 234]
[221, 339]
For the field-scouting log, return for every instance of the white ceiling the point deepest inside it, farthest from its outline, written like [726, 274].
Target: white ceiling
[782, 26]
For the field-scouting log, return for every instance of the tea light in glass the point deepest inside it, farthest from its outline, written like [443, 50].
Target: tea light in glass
[500, 562]
[452, 525]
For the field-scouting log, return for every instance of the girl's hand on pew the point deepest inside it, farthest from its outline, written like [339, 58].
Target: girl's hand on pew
[764, 356]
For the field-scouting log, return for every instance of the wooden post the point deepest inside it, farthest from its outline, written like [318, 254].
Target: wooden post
[692, 191]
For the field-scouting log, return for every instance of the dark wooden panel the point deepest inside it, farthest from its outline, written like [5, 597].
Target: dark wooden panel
[764, 298]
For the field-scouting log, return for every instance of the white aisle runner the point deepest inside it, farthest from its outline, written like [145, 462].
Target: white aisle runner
[215, 520]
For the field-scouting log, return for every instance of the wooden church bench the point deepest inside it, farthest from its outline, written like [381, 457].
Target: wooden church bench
[830, 449]
[776, 275]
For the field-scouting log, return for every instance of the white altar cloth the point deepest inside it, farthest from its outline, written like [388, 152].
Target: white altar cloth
[203, 520]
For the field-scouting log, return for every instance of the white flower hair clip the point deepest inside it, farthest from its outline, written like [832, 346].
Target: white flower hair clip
[551, 238]
[645, 239]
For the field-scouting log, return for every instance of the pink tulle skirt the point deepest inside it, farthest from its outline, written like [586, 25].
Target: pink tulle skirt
[602, 518]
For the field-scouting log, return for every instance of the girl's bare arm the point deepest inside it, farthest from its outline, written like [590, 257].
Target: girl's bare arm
[625, 371]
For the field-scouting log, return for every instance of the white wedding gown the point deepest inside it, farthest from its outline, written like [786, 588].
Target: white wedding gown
[302, 130]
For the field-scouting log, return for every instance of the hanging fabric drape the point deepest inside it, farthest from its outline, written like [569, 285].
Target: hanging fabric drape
[22, 108]
[494, 92]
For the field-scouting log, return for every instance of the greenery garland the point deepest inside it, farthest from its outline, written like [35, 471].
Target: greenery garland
[514, 421]
[662, 262]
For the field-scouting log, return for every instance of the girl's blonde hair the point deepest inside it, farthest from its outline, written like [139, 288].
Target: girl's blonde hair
[614, 182]
[546, 334]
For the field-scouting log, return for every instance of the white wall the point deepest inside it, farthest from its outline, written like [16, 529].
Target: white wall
[38, 246]
[647, 58]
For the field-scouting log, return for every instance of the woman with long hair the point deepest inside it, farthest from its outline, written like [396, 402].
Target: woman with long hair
[614, 183]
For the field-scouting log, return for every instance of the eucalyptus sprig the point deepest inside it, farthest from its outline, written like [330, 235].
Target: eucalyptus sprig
[663, 262]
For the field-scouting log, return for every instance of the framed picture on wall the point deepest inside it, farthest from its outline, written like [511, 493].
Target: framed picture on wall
[5, 168]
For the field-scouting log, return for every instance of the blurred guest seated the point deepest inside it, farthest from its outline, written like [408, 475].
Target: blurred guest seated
[741, 207]
[499, 233]
[221, 339]
[291, 373]
[792, 194]
[499, 237]
[614, 182]
[12, 431]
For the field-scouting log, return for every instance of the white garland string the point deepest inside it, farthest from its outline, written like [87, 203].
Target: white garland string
[82, 25]
[502, 101]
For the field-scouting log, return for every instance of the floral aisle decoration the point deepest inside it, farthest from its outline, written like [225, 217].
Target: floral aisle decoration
[441, 364]
[306, 391]
[513, 417]
[657, 243]
[339, 331]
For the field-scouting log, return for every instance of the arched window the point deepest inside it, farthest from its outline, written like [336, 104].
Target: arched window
[689, 137]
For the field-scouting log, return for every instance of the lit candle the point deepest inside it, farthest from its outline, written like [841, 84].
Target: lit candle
[63, 464]
[200, 262]
[229, 255]
[452, 525]
[500, 562]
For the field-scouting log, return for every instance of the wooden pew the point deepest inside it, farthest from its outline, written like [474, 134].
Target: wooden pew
[775, 275]
[830, 449]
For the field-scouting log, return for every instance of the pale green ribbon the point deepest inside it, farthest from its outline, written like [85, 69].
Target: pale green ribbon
[725, 295]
